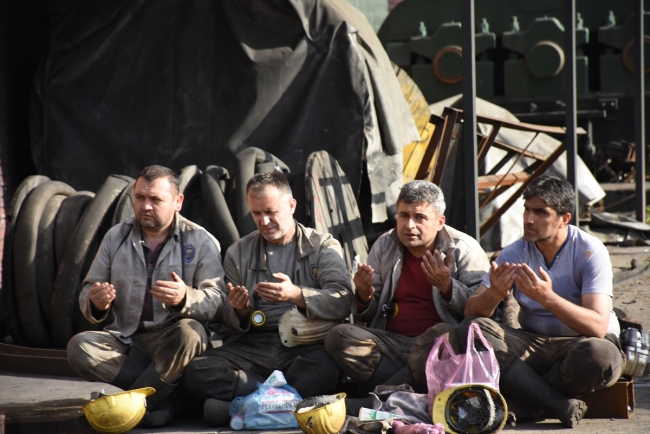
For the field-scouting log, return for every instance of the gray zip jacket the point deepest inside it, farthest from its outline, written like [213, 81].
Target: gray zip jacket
[320, 271]
[190, 251]
[386, 258]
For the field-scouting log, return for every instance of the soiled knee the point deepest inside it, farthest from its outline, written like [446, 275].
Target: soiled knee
[347, 338]
[591, 364]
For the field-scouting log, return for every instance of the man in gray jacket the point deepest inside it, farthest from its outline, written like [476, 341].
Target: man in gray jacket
[155, 282]
[412, 290]
[279, 267]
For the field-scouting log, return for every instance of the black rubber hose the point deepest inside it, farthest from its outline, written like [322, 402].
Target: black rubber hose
[45, 256]
[190, 187]
[124, 206]
[80, 323]
[25, 266]
[215, 203]
[9, 306]
[67, 218]
[188, 177]
[69, 278]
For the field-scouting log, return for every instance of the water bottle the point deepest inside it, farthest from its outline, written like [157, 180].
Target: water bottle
[237, 422]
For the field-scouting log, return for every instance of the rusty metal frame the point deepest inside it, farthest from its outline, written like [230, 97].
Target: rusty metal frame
[447, 130]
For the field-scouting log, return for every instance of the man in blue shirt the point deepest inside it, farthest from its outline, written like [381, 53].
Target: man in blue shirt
[561, 276]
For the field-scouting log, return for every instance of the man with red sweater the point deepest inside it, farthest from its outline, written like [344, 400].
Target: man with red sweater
[412, 289]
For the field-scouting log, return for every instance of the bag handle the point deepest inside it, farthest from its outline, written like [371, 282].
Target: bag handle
[434, 353]
[475, 329]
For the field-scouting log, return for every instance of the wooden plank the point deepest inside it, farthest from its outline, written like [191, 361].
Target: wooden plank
[523, 126]
[616, 401]
[487, 142]
[423, 171]
[449, 133]
[510, 148]
[508, 179]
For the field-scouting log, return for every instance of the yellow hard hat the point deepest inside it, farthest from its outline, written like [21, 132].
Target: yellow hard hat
[119, 412]
[295, 329]
[321, 414]
[470, 409]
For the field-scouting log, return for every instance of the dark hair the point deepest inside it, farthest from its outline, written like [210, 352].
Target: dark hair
[423, 192]
[260, 181]
[154, 172]
[555, 192]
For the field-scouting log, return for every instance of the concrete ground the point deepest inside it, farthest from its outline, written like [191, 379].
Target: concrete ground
[45, 404]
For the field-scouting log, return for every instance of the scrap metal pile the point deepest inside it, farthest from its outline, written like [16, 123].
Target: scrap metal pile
[53, 233]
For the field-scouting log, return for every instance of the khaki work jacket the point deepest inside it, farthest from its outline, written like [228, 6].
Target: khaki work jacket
[386, 258]
[320, 271]
[190, 251]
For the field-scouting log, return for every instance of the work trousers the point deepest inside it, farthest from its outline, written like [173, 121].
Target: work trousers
[235, 368]
[358, 350]
[99, 355]
[573, 365]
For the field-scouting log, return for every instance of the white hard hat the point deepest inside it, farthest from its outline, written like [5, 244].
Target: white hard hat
[296, 329]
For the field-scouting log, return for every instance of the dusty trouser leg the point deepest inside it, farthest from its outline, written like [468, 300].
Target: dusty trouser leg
[363, 353]
[418, 356]
[588, 365]
[176, 346]
[314, 373]
[97, 356]
[508, 345]
[233, 369]
[135, 364]
[368, 356]
[172, 348]
[520, 381]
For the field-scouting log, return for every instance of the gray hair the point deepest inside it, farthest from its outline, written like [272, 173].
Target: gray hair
[555, 192]
[423, 192]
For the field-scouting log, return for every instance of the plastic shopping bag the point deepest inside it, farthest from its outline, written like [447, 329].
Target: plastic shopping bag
[269, 407]
[450, 369]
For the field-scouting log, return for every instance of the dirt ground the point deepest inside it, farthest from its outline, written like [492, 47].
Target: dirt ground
[632, 286]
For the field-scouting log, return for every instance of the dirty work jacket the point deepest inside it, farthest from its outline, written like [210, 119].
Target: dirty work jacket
[120, 261]
[320, 272]
[386, 258]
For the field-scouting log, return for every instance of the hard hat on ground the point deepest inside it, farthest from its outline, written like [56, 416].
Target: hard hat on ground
[119, 412]
[296, 329]
[321, 414]
[470, 409]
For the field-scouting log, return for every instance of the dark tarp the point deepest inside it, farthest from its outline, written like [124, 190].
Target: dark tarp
[127, 84]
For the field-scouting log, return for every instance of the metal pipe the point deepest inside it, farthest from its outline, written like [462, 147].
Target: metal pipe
[469, 119]
[639, 112]
[570, 99]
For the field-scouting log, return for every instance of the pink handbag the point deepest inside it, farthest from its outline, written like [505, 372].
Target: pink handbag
[446, 369]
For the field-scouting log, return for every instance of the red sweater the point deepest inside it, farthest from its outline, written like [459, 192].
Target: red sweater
[414, 297]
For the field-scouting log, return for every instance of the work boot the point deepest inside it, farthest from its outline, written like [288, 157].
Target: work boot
[384, 370]
[133, 367]
[164, 412]
[216, 412]
[151, 378]
[521, 382]
[353, 405]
